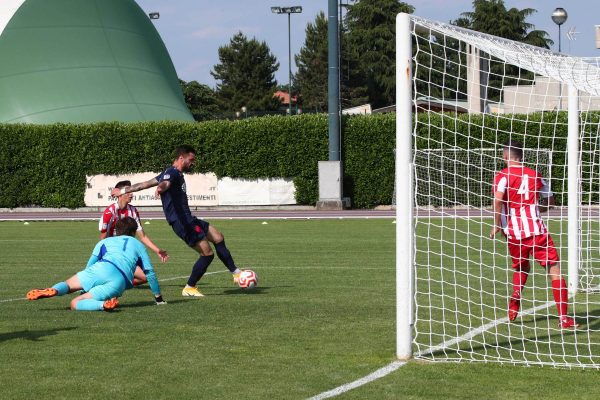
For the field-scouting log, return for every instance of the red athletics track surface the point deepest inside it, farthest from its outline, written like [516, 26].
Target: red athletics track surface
[40, 214]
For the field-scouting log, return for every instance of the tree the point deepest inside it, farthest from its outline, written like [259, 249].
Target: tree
[492, 17]
[246, 75]
[371, 40]
[200, 99]
[311, 78]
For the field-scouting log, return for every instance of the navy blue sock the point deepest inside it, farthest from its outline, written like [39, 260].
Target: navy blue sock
[225, 256]
[199, 269]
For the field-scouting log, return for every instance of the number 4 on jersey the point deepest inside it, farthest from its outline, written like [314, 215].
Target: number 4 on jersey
[524, 188]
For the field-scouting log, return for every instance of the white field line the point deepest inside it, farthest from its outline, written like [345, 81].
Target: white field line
[393, 366]
[246, 218]
[380, 373]
[469, 335]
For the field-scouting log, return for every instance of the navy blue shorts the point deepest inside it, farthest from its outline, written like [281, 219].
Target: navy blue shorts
[191, 233]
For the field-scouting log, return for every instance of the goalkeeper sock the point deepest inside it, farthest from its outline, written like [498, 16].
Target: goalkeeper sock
[199, 269]
[89, 305]
[561, 296]
[519, 280]
[225, 256]
[61, 288]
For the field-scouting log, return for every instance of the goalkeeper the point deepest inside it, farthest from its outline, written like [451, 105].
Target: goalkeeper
[109, 272]
[517, 190]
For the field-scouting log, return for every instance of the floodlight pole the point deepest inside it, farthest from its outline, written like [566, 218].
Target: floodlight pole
[559, 17]
[289, 11]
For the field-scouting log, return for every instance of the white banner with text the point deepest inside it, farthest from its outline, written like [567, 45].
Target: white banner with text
[202, 190]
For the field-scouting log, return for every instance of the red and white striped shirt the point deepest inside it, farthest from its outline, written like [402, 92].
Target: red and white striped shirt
[522, 188]
[112, 214]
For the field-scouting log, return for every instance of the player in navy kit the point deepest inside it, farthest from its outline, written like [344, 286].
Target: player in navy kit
[197, 233]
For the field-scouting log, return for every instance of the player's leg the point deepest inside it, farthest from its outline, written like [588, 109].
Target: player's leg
[139, 277]
[217, 238]
[545, 253]
[519, 251]
[194, 235]
[107, 286]
[199, 268]
[59, 289]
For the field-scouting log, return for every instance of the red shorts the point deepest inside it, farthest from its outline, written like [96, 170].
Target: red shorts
[541, 246]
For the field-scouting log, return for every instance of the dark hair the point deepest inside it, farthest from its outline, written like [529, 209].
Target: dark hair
[126, 226]
[515, 149]
[183, 150]
[122, 184]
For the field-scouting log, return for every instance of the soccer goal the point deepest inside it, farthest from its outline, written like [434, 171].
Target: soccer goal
[460, 96]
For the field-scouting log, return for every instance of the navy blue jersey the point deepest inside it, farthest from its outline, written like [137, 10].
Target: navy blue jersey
[175, 200]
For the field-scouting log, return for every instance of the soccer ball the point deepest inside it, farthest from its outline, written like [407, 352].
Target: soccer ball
[247, 279]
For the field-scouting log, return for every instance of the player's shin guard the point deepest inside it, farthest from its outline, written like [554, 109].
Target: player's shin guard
[225, 256]
[89, 305]
[61, 288]
[199, 269]
[561, 296]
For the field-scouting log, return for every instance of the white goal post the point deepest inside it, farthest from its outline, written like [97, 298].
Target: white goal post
[460, 95]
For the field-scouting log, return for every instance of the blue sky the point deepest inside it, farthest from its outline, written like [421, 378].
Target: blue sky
[193, 30]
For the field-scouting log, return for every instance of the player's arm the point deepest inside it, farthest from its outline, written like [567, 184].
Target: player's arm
[497, 205]
[95, 257]
[103, 235]
[146, 266]
[546, 197]
[162, 187]
[134, 188]
[162, 254]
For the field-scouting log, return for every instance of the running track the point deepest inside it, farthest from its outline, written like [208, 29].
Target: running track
[40, 214]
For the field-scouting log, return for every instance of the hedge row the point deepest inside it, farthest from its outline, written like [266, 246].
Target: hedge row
[46, 165]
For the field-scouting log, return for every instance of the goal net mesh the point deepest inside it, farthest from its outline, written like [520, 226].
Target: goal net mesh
[472, 92]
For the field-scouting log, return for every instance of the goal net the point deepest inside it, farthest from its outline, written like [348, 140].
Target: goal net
[467, 94]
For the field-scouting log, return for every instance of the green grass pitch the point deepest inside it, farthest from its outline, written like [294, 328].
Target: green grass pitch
[322, 316]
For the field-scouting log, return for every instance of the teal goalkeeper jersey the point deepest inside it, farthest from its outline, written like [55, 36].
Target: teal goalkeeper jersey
[125, 253]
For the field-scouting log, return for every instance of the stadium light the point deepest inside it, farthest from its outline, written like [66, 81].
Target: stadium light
[559, 16]
[154, 15]
[289, 11]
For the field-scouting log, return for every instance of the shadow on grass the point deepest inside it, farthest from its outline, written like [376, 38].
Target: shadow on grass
[245, 292]
[34, 336]
[149, 303]
[556, 337]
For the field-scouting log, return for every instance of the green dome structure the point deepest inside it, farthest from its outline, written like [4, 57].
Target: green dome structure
[84, 61]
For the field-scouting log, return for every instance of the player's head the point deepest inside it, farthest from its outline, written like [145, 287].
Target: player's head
[126, 226]
[125, 198]
[513, 151]
[122, 184]
[185, 156]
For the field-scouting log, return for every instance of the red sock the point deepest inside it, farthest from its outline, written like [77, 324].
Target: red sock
[519, 280]
[561, 296]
